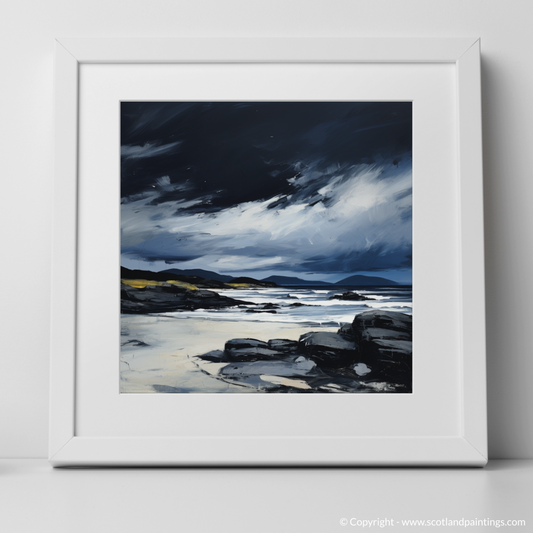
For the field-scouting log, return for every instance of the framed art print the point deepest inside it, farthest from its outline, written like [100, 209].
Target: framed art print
[286, 221]
[268, 251]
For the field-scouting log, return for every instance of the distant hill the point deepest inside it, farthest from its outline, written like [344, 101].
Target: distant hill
[206, 274]
[198, 281]
[361, 281]
[127, 273]
[252, 281]
[209, 279]
[287, 281]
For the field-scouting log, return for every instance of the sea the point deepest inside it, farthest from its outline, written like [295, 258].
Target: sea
[316, 309]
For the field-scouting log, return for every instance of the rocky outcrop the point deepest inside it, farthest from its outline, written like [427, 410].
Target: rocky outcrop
[264, 308]
[385, 341]
[373, 354]
[248, 350]
[350, 296]
[328, 350]
[285, 370]
[168, 297]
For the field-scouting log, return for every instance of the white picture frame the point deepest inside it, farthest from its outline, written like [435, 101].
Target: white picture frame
[467, 445]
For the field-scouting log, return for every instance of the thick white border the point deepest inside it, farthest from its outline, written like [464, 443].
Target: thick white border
[433, 408]
[466, 448]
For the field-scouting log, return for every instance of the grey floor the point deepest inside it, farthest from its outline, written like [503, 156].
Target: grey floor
[37, 498]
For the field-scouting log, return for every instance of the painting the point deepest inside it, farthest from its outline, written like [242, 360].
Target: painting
[266, 247]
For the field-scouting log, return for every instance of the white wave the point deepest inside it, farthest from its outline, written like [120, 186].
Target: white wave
[317, 310]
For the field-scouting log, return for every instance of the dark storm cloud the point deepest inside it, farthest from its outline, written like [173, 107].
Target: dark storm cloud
[267, 187]
[223, 154]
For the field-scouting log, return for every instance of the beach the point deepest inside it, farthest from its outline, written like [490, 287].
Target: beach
[157, 350]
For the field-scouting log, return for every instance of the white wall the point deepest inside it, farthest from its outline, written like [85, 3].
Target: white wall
[27, 32]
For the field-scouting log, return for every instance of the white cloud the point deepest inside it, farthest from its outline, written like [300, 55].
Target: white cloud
[358, 209]
[147, 150]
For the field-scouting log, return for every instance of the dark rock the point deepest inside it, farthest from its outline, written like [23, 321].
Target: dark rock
[264, 308]
[346, 332]
[350, 296]
[134, 342]
[394, 372]
[215, 356]
[244, 343]
[270, 305]
[168, 297]
[372, 355]
[385, 340]
[328, 349]
[399, 323]
[249, 350]
[274, 375]
[283, 345]
[294, 374]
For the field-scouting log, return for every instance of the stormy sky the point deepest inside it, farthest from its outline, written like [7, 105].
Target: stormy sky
[318, 190]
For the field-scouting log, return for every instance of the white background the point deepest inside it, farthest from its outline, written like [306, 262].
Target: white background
[27, 30]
